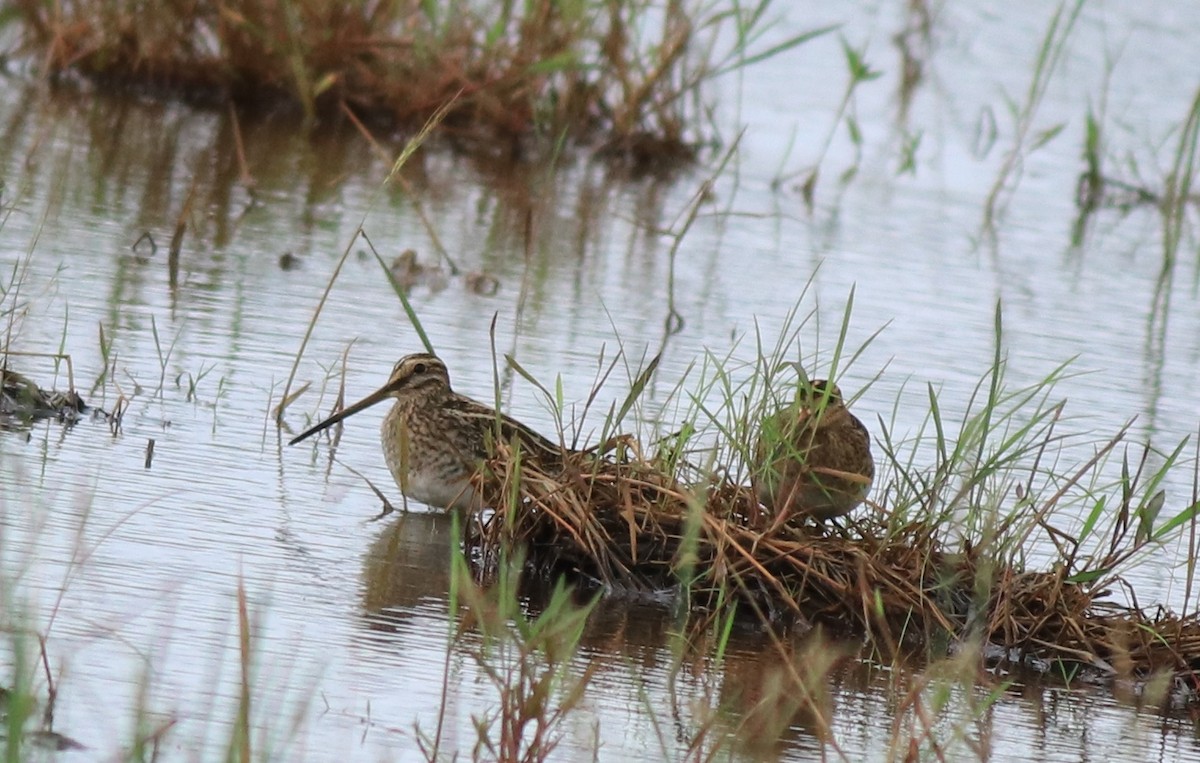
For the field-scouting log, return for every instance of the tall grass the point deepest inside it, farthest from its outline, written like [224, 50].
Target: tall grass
[1178, 198]
[626, 73]
[1025, 139]
[991, 526]
[859, 72]
[1171, 193]
[526, 657]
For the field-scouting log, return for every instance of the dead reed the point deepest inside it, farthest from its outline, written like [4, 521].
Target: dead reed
[625, 73]
[623, 524]
[21, 399]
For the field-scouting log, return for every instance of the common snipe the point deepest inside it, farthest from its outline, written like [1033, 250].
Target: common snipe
[814, 457]
[435, 439]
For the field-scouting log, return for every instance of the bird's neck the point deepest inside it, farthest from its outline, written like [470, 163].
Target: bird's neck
[425, 398]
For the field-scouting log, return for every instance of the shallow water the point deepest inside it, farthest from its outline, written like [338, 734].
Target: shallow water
[133, 571]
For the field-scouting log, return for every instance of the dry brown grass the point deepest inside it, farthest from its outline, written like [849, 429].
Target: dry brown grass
[21, 399]
[625, 73]
[624, 524]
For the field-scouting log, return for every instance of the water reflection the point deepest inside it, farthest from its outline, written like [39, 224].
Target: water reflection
[767, 698]
[634, 651]
[198, 345]
[407, 566]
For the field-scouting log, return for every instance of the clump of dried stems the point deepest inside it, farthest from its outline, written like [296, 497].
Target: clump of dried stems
[934, 563]
[625, 73]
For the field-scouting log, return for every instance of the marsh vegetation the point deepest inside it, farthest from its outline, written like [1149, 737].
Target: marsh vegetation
[987, 241]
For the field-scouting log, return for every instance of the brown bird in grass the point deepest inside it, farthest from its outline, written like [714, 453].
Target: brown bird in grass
[434, 439]
[814, 457]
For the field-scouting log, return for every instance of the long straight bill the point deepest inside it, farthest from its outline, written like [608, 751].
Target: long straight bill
[371, 399]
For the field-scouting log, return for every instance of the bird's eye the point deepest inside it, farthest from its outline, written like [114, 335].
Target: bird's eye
[419, 368]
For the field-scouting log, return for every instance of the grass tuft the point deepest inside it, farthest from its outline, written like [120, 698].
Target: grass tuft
[1000, 542]
[624, 73]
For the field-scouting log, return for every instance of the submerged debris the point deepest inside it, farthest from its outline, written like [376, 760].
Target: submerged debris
[21, 398]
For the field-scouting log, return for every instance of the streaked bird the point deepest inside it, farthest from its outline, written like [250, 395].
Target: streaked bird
[435, 439]
[813, 457]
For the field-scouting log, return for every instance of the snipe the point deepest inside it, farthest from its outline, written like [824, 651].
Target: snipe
[434, 439]
[813, 457]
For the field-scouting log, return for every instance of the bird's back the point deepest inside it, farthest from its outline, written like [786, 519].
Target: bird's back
[433, 447]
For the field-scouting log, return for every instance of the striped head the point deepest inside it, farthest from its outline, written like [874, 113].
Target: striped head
[416, 375]
[812, 394]
[413, 378]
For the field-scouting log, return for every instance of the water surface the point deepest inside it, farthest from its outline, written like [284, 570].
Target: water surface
[133, 572]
